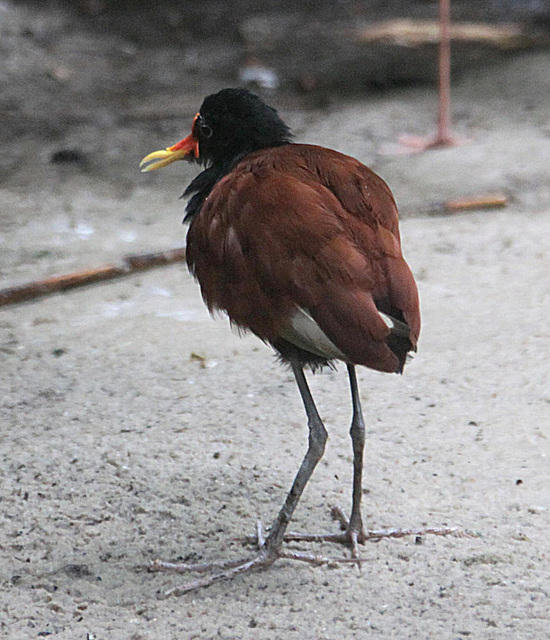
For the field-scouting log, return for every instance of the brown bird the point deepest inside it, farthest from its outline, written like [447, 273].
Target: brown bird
[443, 136]
[300, 245]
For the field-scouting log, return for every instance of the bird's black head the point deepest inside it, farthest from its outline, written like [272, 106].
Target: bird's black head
[230, 124]
[234, 122]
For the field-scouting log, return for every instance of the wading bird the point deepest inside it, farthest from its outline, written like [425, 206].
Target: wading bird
[443, 136]
[300, 245]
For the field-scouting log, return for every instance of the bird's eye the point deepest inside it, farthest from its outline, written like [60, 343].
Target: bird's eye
[205, 130]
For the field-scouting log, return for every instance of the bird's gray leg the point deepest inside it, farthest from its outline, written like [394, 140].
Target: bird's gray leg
[357, 432]
[271, 549]
[317, 440]
[353, 530]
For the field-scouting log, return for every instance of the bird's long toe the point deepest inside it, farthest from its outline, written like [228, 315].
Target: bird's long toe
[217, 571]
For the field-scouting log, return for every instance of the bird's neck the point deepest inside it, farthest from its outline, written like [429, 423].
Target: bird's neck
[202, 185]
[199, 189]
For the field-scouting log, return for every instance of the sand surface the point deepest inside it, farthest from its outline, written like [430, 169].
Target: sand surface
[118, 445]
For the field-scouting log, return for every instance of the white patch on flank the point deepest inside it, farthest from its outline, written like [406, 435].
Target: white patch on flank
[305, 333]
[389, 322]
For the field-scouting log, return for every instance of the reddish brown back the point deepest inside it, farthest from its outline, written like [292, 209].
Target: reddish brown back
[301, 225]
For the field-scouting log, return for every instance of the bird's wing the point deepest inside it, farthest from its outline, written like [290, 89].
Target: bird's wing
[267, 243]
[361, 192]
[374, 222]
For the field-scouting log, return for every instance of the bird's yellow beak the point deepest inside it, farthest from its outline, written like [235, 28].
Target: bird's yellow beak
[186, 149]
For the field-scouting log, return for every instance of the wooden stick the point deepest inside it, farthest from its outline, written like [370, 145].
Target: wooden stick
[456, 205]
[486, 201]
[413, 33]
[142, 262]
[130, 264]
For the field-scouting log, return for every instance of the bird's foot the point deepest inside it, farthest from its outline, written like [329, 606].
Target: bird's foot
[376, 535]
[218, 571]
[351, 536]
[354, 536]
[408, 145]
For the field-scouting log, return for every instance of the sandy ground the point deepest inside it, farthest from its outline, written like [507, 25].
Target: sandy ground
[118, 446]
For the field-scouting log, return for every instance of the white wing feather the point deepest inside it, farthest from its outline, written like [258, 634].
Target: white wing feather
[306, 334]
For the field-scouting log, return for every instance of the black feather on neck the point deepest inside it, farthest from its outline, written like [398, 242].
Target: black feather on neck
[201, 186]
[199, 189]
[237, 123]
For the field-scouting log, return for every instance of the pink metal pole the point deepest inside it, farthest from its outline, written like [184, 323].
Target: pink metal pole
[443, 136]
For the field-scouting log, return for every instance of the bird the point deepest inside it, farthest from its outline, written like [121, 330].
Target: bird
[300, 245]
[444, 136]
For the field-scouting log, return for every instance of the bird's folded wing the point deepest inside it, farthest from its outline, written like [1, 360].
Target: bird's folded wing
[283, 250]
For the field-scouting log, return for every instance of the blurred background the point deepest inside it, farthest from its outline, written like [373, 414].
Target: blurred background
[134, 427]
[90, 86]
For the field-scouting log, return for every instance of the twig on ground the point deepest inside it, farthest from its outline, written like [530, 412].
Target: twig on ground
[130, 264]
